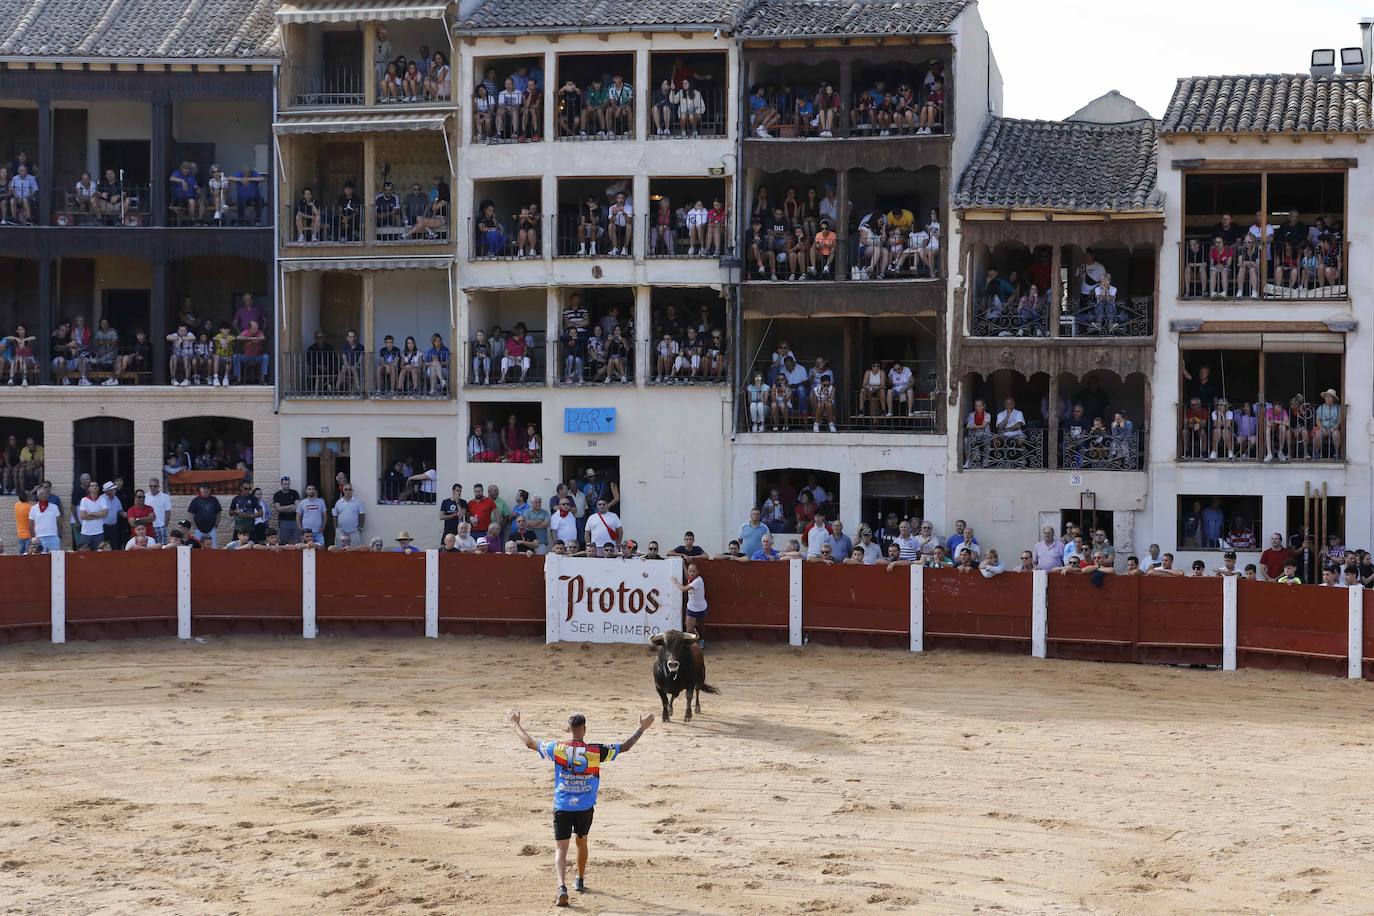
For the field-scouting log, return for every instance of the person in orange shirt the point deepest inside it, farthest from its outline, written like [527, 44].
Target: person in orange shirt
[823, 253]
[22, 525]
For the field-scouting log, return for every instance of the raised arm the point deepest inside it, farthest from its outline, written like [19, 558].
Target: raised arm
[680, 587]
[644, 722]
[514, 719]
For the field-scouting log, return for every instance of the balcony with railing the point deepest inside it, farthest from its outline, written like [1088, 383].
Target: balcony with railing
[339, 64]
[336, 375]
[688, 341]
[499, 360]
[1264, 235]
[1243, 406]
[326, 87]
[1023, 450]
[595, 97]
[1103, 292]
[882, 377]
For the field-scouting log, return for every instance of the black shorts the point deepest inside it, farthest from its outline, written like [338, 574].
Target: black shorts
[566, 823]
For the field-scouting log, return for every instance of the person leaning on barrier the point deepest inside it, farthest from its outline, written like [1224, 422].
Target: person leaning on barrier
[1165, 567]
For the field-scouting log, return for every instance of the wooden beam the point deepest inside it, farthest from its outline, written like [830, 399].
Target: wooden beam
[1264, 327]
[1311, 164]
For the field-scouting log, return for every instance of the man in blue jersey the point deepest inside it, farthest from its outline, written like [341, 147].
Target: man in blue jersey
[576, 778]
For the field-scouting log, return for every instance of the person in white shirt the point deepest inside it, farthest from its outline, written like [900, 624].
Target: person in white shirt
[1152, 560]
[873, 551]
[44, 518]
[992, 566]
[1011, 423]
[695, 590]
[603, 525]
[909, 547]
[464, 540]
[91, 512]
[161, 504]
[141, 540]
[620, 218]
[1089, 273]
[696, 229]
[563, 521]
[311, 512]
[817, 536]
[900, 390]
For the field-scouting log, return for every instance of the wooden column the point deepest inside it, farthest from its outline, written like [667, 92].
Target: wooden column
[846, 94]
[1052, 421]
[845, 372]
[365, 334]
[369, 63]
[159, 152]
[158, 321]
[1056, 290]
[46, 187]
[370, 188]
[842, 230]
[47, 321]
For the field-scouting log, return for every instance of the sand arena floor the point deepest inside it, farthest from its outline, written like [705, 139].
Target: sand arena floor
[257, 775]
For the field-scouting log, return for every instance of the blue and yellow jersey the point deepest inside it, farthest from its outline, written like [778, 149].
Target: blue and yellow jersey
[576, 771]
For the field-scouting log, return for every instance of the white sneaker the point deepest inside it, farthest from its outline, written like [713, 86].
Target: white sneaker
[300, 238]
[582, 249]
[1213, 456]
[762, 133]
[791, 278]
[691, 252]
[214, 381]
[84, 381]
[225, 383]
[1269, 457]
[832, 428]
[25, 382]
[110, 381]
[815, 427]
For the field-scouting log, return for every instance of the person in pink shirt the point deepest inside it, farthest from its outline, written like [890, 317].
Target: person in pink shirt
[516, 352]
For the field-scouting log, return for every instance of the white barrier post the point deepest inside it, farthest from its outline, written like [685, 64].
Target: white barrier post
[1228, 623]
[432, 594]
[1040, 611]
[183, 593]
[58, 574]
[918, 608]
[794, 602]
[1355, 663]
[308, 629]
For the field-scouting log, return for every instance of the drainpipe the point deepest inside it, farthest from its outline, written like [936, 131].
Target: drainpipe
[1367, 41]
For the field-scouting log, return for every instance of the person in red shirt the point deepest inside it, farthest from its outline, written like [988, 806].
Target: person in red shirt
[480, 508]
[253, 341]
[140, 513]
[1274, 557]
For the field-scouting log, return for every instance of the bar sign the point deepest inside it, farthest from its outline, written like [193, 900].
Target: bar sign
[589, 420]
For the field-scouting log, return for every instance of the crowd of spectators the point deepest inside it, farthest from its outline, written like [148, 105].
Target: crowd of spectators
[21, 464]
[788, 394]
[420, 214]
[514, 443]
[602, 229]
[404, 371]
[18, 192]
[1214, 427]
[1093, 432]
[795, 237]
[190, 200]
[426, 78]
[687, 348]
[599, 349]
[1289, 257]
[880, 110]
[498, 357]
[520, 238]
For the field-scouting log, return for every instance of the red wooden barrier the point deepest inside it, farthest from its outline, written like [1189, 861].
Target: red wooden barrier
[1303, 627]
[121, 593]
[1367, 661]
[367, 586]
[25, 598]
[491, 594]
[968, 611]
[245, 591]
[1180, 621]
[1092, 623]
[748, 600]
[856, 601]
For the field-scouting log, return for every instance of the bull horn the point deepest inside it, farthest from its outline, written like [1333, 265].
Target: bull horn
[694, 637]
[656, 639]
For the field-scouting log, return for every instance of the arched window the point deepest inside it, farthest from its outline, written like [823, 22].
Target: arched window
[104, 448]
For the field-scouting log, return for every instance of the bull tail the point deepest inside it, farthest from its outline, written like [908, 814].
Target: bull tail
[707, 688]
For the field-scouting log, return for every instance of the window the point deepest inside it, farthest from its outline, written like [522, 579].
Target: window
[1219, 522]
[21, 441]
[510, 432]
[408, 475]
[104, 448]
[791, 497]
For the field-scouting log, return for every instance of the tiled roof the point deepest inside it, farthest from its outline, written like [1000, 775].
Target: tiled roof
[1062, 165]
[1269, 103]
[147, 29]
[600, 15]
[800, 18]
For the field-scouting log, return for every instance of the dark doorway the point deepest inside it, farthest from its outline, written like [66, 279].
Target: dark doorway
[785, 486]
[884, 492]
[324, 460]
[604, 481]
[104, 448]
[1088, 519]
[128, 309]
[129, 157]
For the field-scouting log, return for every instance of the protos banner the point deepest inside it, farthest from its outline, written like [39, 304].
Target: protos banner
[592, 600]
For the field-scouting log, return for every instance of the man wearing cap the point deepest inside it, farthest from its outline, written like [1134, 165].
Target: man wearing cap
[109, 496]
[576, 779]
[406, 544]
[285, 500]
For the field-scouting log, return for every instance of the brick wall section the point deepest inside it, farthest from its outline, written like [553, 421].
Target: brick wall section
[60, 407]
